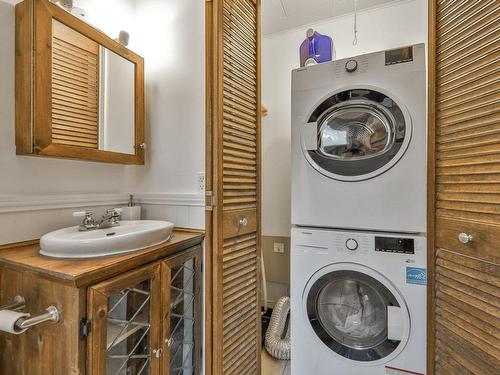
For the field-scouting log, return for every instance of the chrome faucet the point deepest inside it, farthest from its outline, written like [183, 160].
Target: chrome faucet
[108, 220]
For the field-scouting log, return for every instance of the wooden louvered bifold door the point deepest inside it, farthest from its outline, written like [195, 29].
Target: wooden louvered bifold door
[75, 88]
[236, 216]
[467, 315]
[465, 112]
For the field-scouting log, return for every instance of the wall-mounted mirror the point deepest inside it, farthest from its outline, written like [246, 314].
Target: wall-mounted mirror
[117, 109]
[79, 94]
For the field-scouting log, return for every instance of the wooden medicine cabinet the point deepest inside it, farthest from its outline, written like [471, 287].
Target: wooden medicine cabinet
[79, 93]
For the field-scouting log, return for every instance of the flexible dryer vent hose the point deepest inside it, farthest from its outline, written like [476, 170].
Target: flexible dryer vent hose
[277, 340]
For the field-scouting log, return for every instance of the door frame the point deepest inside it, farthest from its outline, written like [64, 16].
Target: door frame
[209, 157]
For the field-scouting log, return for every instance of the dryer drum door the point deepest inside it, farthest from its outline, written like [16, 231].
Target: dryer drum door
[356, 135]
[351, 313]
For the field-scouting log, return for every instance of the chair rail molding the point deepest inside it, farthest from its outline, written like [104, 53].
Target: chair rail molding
[29, 202]
[26, 217]
[193, 200]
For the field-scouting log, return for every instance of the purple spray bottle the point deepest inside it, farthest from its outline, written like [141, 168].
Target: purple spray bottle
[316, 48]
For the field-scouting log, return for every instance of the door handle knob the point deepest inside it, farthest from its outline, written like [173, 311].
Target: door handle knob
[243, 222]
[465, 238]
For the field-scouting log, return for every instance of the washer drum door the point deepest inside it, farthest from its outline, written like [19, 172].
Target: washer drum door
[357, 313]
[356, 134]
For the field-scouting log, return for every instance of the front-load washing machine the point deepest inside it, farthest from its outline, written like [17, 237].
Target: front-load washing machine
[359, 142]
[358, 302]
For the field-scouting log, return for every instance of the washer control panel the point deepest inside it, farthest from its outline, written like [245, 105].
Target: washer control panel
[354, 244]
[395, 245]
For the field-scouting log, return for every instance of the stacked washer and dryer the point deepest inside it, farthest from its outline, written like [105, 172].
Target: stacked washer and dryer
[359, 182]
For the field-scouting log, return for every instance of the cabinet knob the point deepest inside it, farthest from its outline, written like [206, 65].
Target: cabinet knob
[157, 353]
[465, 238]
[169, 341]
[243, 222]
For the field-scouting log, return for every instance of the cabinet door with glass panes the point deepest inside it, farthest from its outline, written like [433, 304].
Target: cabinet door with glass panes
[148, 321]
[125, 318]
[181, 320]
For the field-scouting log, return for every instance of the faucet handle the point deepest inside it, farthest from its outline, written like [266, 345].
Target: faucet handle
[88, 222]
[86, 213]
[114, 211]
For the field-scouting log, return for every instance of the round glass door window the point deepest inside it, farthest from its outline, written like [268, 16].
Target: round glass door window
[348, 311]
[356, 134]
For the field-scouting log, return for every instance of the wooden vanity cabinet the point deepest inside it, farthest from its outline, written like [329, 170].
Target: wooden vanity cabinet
[137, 314]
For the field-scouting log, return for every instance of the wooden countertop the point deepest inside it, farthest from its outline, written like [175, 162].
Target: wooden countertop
[84, 272]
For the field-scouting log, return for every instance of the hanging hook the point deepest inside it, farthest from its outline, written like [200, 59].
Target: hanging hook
[355, 40]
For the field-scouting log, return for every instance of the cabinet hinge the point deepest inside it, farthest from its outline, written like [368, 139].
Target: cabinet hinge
[84, 328]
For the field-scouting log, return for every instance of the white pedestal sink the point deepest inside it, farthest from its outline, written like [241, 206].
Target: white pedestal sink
[129, 236]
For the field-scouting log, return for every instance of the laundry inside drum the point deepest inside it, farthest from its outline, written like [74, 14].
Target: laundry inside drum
[355, 131]
[353, 313]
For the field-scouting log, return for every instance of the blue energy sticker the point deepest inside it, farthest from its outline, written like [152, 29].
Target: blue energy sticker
[416, 275]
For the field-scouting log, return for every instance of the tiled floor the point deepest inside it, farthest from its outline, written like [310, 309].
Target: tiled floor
[271, 366]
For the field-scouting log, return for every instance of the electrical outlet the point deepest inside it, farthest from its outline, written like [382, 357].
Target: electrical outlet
[279, 247]
[201, 182]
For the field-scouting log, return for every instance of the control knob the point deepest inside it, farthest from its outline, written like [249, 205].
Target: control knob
[351, 244]
[351, 66]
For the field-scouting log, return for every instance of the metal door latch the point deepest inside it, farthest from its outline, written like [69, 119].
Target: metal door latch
[84, 328]
[209, 201]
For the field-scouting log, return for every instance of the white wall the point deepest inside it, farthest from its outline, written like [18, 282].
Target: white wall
[170, 35]
[110, 16]
[392, 26]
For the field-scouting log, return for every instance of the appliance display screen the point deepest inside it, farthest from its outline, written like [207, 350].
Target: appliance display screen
[395, 245]
[398, 56]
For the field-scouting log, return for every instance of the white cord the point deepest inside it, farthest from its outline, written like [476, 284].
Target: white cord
[284, 9]
[355, 40]
[264, 281]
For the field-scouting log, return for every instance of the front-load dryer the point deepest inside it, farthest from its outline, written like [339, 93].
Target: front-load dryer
[358, 302]
[359, 142]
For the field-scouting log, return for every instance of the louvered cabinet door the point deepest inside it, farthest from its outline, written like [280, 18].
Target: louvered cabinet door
[465, 119]
[75, 88]
[236, 217]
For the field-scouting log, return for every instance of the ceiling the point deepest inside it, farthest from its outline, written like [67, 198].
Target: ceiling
[279, 15]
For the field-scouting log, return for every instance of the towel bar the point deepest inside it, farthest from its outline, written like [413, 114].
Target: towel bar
[52, 315]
